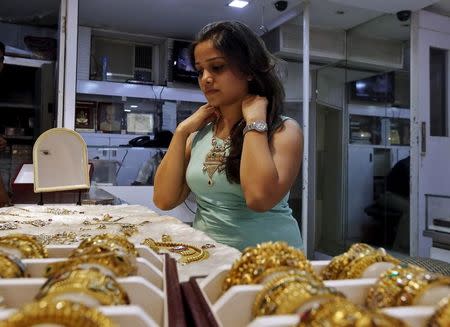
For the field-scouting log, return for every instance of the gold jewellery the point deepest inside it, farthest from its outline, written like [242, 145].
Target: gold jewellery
[119, 264]
[441, 316]
[338, 263]
[89, 282]
[189, 253]
[27, 245]
[64, 313]
[356, 267]
[257, 262]
[11, 266]
[216, 158]
[339, 312]
[402, 285]
[287, 292]
[105, 243]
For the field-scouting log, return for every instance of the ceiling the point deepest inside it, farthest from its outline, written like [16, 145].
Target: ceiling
[183, 18]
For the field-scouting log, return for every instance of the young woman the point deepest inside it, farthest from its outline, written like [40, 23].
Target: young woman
[236, 153]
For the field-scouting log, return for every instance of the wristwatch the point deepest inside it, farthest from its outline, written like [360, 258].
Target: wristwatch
[258, 126]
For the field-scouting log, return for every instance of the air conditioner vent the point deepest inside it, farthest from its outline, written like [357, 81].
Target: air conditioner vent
[143, 57]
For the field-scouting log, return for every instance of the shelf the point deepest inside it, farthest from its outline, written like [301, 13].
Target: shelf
[378, 111]
[139, 91]
[18, 61]
[17, 105]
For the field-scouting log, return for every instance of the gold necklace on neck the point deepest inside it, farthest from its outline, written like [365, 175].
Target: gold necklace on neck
[216, 158]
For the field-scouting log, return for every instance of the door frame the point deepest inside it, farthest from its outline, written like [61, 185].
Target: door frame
[422, 22]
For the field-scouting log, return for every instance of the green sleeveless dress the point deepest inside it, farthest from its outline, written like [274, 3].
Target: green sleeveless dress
[221, 209]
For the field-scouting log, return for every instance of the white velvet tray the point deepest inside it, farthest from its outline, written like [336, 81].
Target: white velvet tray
[233, 307]
[122, 315]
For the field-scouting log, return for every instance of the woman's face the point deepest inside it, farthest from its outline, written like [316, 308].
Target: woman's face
[222, 84]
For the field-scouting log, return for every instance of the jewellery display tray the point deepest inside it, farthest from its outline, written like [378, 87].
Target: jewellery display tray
[209, 307]
[154, 293]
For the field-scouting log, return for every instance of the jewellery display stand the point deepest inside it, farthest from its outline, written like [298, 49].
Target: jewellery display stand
[234, 307]
[154, 293]
[60, 162]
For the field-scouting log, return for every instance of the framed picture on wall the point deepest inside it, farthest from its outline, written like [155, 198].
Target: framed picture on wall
[109, 117]
[85, 116]
[140, 123]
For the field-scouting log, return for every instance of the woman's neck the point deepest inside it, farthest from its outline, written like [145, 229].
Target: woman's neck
[228, 118]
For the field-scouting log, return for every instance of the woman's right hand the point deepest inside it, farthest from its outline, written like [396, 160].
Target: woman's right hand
[205, 114]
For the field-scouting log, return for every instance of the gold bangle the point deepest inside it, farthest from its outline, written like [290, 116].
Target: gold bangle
[64, 313]
[390, 284]
[286, 293]
[189, 253]
[11, 266]
[338, 263]
[340, 312]
[441, 316]
[356, 267]
[113, 242]
[264, 301]
[254, 261]
[28, 245]
[119, 264]
[416, 287]
[103, 288]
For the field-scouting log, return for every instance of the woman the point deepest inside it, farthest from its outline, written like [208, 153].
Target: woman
[236, 153]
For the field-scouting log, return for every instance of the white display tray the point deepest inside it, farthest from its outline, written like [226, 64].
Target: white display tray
[35, 268]
[122, 315]
[17, 291]
[63, 251]
[154, 300]
[234, 307]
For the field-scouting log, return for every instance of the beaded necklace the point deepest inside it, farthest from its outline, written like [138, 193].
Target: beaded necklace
[216, 158]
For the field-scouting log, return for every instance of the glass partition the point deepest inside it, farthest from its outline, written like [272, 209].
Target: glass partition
[27, 79]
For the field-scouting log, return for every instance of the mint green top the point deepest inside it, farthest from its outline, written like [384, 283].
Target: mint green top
[221, 209]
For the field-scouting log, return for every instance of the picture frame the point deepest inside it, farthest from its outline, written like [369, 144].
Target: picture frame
[140, 123]
[109, 117]
[85, 116]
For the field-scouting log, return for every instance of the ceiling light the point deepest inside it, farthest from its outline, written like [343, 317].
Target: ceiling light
[238, 4]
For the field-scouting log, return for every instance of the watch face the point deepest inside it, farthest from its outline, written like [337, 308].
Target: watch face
[260, 126]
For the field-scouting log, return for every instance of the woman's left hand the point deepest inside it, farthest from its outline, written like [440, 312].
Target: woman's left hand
[254, 107]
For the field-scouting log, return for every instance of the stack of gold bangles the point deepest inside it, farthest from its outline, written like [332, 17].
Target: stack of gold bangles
[355, 261]
[291, 291]
[89, 286]
[257, 263]
[105, 243]
[23, 246]
[402, 285]
[441, 316]
[112, 254]
[60, 313]
[340, 312]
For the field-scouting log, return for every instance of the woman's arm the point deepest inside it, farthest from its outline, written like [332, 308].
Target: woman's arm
[170, 187]
[268, 169]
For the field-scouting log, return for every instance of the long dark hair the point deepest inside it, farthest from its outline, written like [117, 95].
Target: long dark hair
[247, 52]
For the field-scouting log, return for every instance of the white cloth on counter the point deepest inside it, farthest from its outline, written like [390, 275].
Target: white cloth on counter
[75, 219]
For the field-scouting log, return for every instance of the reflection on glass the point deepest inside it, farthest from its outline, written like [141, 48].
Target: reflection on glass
[365, 129]
[438, 94]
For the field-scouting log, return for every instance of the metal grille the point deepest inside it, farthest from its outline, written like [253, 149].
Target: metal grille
[143, 57]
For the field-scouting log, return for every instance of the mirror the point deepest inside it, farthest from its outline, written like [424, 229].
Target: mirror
[60, 161]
